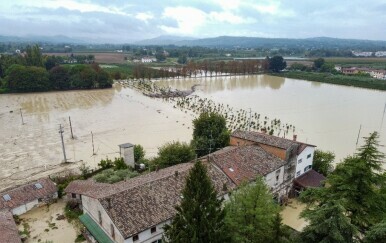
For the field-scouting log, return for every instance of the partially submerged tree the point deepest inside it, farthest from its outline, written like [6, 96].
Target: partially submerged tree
[139, 153]
[209, 133]
[200, 217]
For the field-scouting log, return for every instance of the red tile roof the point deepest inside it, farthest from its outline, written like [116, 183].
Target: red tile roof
[27, 193]
[8, 229]
[270, 140]
[310, 179]
[245, 163]
[151, 199]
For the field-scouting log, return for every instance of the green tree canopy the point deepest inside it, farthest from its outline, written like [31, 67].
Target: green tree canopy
[139, 153]
[277, 63]
[377, 233]
[358, 184]
[323, 161]
[209, 133]
[328, 224]
[251, 214]
[318, 63]
[24, 78]
[174, 153]
[200, 218]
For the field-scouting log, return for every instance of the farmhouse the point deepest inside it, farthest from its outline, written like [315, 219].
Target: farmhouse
[297, 156]
[136, 210]
[24, 198]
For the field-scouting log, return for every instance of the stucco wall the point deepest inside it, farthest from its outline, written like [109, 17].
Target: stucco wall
[92, 206]
[147, 237]
[304, 160]
[271, 179]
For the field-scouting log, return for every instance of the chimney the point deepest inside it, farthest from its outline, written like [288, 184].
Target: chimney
[264, 130]
[294, 137]
[176, 173]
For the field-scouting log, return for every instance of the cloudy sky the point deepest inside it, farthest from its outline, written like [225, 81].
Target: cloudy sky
[126, 20]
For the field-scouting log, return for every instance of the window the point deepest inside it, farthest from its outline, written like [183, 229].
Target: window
[277, 177]
[298, 173]
[307, 168]
[153, 230]
[100, 217]
[6, 197]
[73, 195]
[38, 186]
[300, 160]
[309, 156]
[135, 238]
[157, 241]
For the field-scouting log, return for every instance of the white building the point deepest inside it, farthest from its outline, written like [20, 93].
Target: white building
[380, 53]
[148, 59]
[22, 199]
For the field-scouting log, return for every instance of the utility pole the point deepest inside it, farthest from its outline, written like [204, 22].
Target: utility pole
[92, 140]
[72, 135]
[61, 136]
[383, 116]
[359, 132]
[22, 120]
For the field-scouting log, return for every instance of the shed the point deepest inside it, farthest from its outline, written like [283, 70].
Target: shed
[126, 151]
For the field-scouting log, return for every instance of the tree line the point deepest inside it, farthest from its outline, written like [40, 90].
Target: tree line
[34, 72]
[209, 68]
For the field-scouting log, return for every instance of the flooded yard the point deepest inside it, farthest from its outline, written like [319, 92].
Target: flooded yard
[44, 224]
[291, 215]
[326, 115]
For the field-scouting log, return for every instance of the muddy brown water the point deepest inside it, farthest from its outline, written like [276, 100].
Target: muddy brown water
[328, 116]
[325, 115]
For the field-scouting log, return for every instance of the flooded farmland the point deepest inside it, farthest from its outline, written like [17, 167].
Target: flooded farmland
[328, 116]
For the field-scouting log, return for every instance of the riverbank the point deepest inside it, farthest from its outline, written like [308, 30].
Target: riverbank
[356, 81]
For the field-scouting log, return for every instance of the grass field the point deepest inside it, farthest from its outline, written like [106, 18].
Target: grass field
[371, 62]
[105, 57]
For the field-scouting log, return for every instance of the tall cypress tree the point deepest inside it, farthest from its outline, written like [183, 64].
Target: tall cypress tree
[200, 218]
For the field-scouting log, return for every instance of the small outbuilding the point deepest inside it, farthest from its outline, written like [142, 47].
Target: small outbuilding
[309, 179]
[126, 151]
[22, 199]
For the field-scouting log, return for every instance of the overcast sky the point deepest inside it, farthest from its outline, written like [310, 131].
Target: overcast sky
[125, 20]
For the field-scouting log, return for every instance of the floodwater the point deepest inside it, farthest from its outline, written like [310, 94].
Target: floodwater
[326, 115]
[44, 225]
[114, 116]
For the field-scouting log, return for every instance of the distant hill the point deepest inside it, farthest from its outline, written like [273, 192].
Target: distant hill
[258, 42]
[57, 39]
[164, 40]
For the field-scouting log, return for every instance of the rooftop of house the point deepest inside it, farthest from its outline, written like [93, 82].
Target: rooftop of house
[145, 201]
[271, 140]
[310, 179]
[27, 193]
[8, 228]
[245, 163]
